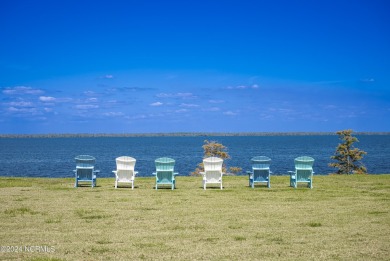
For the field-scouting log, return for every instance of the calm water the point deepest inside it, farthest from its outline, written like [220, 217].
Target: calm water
[54, 157]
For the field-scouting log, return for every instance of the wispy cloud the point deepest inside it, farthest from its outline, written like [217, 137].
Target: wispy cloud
[212, 109]
[20, 90]
[230, 113]
[107, 76]
[86, 106]
[243, 87]
[113, 114]
[216, 101]
[155, 104]
[47, 99]
[187, 105]
[368, 80]
[23, 110]
[20, 104]
[183, 95]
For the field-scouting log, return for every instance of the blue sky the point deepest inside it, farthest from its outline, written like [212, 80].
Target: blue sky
[194, 66]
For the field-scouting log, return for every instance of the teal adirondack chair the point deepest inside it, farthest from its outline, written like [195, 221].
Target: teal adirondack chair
[85, 170]
[165, 174]
[124, 172]
[212, 173]
[303, 172]
[260, 171]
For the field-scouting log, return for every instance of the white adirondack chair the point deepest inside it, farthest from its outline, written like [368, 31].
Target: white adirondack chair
[212, 173]
[125, 170]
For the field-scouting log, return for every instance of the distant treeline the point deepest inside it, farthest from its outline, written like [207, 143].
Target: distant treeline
[179, 134]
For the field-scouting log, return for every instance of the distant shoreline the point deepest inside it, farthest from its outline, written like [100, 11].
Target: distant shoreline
[180, 134]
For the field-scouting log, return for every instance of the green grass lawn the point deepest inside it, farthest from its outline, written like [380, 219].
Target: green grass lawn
[341, 218]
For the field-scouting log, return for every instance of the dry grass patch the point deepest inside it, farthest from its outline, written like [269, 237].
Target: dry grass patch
[341, 218]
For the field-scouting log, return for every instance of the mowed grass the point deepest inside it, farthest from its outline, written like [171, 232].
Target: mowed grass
[341, 218]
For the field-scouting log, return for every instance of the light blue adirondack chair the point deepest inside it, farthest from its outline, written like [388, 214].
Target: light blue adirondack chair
[124, 172]
[212, 173]
[260, 171]
[165, 174]
[85, 170]
[303, 172]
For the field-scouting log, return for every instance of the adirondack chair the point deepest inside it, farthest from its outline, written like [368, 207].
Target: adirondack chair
[125, 170]
[303, 172]
[165, 174]
[85, 170]
[260, 171]
[212, 173]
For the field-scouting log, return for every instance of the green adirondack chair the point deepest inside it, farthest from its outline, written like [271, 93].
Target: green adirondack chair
[260, 171]
[303, 172]
[85, 170]
[124, 172]
[165, 174]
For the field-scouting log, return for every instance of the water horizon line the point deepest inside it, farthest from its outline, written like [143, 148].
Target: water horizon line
[180, 134]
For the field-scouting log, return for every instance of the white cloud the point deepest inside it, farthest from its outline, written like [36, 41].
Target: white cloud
[20, 104]
[92, 100]
[230, 113]
[216, 101]
[89, 93]
[242, 87]
[113, 114]
[86, 106]
[187, 105]
[367, 80]
[47, 99]
[22, 110]
[183, 95]
[21, 90]
[155, 104]
[212, 109]
[108, 76]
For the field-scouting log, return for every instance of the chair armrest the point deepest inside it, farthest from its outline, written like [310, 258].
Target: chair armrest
[249, 172]
[154, 173]
[175, 173]
[135, 173]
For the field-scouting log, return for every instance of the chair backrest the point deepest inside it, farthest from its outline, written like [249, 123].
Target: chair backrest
[85, 161]
[164, 169]
[125, 163]
[125, 168]
[212, 164]
[304, 162]
[304, 168]
[84, 167]
[260, 162]
[164, 164]
[213, 169]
